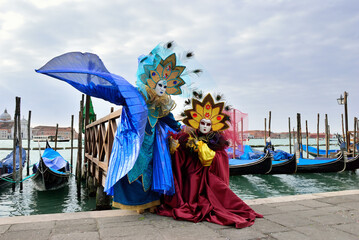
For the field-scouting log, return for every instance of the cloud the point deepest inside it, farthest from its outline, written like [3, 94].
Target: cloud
[283, 56]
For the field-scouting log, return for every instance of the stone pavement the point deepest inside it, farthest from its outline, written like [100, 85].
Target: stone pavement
[333, 215]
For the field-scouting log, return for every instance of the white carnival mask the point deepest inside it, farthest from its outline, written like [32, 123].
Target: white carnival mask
[161, 87]
[205, 126]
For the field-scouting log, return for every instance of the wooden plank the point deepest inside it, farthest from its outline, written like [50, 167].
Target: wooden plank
[112, 115]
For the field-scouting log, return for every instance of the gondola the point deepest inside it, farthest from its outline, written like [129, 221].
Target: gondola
[7, 167]
[52, 171]
[322, 165]
[322, 153]
[286, 166]
[261, 165]
[352, 163]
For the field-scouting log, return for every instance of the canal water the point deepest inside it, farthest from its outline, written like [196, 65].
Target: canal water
[71, 199]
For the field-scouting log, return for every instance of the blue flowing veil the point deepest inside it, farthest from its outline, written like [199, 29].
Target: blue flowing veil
[87, 73]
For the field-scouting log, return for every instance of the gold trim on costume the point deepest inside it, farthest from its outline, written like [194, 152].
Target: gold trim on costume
[136, 207]
[143, 187]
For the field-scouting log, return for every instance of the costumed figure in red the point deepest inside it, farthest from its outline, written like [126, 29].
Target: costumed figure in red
[201, 170]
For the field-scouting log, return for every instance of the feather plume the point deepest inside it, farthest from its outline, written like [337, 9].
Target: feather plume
[197, 71]
[219, 97]
[228, 108]
[189, 54]
[227, 118]
[169, 44]
[198, 94]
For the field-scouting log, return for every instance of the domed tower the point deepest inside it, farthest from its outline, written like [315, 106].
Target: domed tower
[5, 117]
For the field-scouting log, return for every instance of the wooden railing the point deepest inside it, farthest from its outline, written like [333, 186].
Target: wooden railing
[98, 145]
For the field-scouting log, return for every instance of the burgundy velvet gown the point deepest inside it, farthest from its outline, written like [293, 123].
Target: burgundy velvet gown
[203, 193]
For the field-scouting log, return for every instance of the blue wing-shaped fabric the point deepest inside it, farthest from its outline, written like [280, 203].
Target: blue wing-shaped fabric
[87, 73]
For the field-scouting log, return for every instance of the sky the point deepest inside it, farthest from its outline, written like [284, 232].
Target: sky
[283, 56]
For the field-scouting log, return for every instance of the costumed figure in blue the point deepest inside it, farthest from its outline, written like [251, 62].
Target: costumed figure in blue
[140, 163]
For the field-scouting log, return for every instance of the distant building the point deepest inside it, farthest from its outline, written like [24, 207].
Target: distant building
[47, 131]
[7, 127]
[282, 135]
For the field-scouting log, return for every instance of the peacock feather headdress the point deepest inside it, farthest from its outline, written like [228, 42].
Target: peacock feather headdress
[206, 109]
[166, 62]
[167, 70]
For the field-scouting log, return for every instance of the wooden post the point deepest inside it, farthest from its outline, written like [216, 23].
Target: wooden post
[290, 140]
[17, 107]
[306, 133]
[87, 116]
[344, 136]
[326, 135]
[298, 133]
[28, 144]
[346, 119]
[294, 139]
[265, 131]
[56, 132]
[269, 122]
[234, 131]
[301, 137]
[355, 134]
[72, 141]
[318, 134]
[242, 134]
[20, 145]
[79, 149]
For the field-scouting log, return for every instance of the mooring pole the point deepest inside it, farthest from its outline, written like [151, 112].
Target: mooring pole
[355, 134]
[326, 135]
[306, 133]
[79, 150]
[265, 131]
[28, 144]
[20, 145]
[318, 135]
[344, 136]
[346, 119]
[299, 137]
[290, 137]
[269, 122]
[17, 107]
[72, 140]
[87, 116]
[294, 136]
[242, 137]
[56, 132]
[235, 126]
